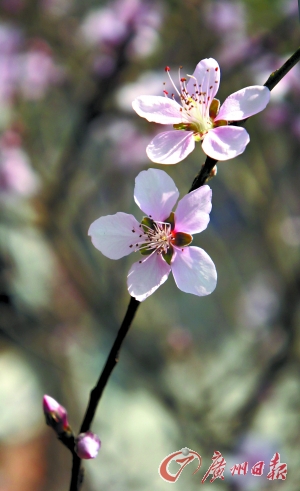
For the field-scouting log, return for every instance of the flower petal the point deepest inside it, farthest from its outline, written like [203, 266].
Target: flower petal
[225, 142]
[145, 277]
[192, 212]
[171, 147]
[194, 271]
[244, 103]
[207, 75]
[155, 193]
[114, 234]
[158, 109]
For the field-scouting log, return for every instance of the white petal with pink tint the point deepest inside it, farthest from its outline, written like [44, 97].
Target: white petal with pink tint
[158, 109]
[170, 147]
[145, 277]
[244, 103]
[155, 193]
[113, 234]
[192, 212]
[207, 74]
[194, 271]
[225, 142]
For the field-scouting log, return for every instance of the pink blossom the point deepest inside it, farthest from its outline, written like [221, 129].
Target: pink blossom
[226, 17]
[56, 415]
[37, 70]
[109, 26]
[16, 175]
[103, 26]
[199, 117]
[30, 72]
[87, 445]
[162, 237]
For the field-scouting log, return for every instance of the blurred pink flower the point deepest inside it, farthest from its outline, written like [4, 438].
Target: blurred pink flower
[10, 42]
[162, 237]
[37, 71]
[103, 26]
[8, 76]
[226, 16]
[87, 445]
[128, 144]
[16, 174]
[109, 26]
[228, 20]
[30, 72]
[199, 117]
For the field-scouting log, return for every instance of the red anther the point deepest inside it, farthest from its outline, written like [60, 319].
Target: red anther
[211, 87]
[216, 69]
[183, 80]
[167, 69]
[165, 92]
[181, 67]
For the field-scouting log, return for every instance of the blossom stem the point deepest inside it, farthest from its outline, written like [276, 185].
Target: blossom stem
[272, 81]
[278, 75]
[97, 391]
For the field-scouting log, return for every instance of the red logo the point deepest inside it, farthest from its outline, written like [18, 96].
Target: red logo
[183, 457]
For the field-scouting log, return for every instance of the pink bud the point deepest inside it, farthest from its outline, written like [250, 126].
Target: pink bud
[87, 445]
[56, 415]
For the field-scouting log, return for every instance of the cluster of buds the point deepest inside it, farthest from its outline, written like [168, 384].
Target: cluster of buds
[86, 445]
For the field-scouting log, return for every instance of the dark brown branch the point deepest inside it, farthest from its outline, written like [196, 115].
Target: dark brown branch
[97, 391]
[110, 364]
[278, 75]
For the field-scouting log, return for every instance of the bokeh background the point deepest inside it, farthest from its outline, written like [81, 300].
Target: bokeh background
[215, 373]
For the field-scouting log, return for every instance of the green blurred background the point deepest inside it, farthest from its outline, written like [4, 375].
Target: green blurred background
[214, 373]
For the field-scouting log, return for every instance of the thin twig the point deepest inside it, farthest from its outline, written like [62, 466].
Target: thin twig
[96, 393]
[278, 75]
[110, 364]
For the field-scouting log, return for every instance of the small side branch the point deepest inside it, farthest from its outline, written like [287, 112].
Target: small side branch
[96, 393]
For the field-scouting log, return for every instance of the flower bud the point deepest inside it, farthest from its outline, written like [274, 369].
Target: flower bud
[87, 445]
[56, 415]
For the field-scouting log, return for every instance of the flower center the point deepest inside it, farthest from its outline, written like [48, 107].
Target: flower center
[159, 237]
[199, 108]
